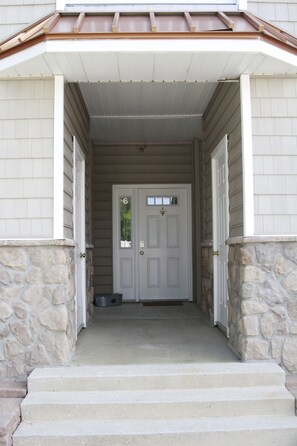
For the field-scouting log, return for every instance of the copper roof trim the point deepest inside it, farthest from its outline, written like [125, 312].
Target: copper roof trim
[151, 25]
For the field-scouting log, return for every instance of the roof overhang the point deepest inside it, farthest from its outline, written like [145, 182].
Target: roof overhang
[172, 47]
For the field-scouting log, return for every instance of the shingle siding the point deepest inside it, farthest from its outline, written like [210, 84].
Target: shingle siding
[282, 13]
[274, 123]
[16, 14]
[26, 158]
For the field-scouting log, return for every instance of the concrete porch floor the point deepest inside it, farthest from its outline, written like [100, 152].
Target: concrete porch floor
[137, 334]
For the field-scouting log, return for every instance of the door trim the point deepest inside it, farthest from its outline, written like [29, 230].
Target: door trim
[79, 233]
[223, 145]
[115, 221]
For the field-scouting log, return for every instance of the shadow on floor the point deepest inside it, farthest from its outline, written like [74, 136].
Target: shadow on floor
[135, 334]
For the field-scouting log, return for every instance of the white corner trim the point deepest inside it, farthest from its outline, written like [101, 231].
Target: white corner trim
[247, 155]
[59, 157]
[60, 5]
[242, 5]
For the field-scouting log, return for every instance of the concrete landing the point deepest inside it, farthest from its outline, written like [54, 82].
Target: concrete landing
[134, 334]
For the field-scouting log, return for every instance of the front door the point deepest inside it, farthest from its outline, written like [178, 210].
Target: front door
[152, 242]
[220, 232]
[163, 237]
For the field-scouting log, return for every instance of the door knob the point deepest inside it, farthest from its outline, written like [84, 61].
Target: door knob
[141, 253]
[215, 253]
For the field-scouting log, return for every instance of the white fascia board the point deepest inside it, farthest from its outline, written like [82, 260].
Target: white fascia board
[247, 156]
[154, 46]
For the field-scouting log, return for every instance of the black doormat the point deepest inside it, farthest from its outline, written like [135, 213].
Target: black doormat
[163, 303]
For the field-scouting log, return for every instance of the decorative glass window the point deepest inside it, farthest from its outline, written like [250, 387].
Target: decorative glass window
[126, 222]
[161, 201]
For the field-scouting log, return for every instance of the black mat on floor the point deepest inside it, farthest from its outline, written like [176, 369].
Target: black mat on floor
[162, 303]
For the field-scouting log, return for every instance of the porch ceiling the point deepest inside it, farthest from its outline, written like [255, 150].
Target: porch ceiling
[173, 60]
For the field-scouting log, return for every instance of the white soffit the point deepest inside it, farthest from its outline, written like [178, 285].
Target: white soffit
[146, 112]
[149, 60]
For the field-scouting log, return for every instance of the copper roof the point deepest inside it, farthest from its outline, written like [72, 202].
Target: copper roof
[216, 25]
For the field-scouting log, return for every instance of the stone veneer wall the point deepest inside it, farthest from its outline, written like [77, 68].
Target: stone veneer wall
[37, 305]
[263, 299]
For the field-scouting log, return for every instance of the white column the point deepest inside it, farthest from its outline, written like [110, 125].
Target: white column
[247, 156]
[59, 157]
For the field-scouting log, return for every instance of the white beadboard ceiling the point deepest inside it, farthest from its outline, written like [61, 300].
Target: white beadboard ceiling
[146, 112]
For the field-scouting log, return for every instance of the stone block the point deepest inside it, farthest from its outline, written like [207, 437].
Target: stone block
[5, 311]
[5, 278]
[19, 310]
[280, 311]
[293, 328]
[283, 266]
[10, 294]
[247, 256]
[273, 292]
[34, 276]
[255, 349]
[59, 296]
[253, 306]
[292, 309]
[248, 290]
[60, 257]
[32, 294]
[61, 349]
[4, 330]
[13, 348]
[249, 325]
[21, 332]
[54, 319]
[38, 356]
[290, 282]
[14, 258]
[268, 325]
[290, 353]
[266, 254]
[252, 274]
[56, 274]
[276, 347]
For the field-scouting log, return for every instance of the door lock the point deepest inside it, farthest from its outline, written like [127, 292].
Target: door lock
[141, 253]
[215, 253]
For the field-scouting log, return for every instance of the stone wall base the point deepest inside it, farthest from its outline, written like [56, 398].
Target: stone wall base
[37, 305]
[263, 299]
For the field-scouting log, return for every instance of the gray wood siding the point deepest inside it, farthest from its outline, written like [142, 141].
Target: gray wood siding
[26, 158]
[16, 14]
[76, 123]
[115, 164]
[274, 120]
[223, 117]
[281, 13]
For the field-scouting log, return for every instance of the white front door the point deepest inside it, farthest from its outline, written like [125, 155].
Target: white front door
[163, 244]
[220, 232]
[79, 235]
[152, 242]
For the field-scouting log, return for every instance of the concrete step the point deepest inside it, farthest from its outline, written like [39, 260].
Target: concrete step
[243, 431]
[157, 404]
[155, 376]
